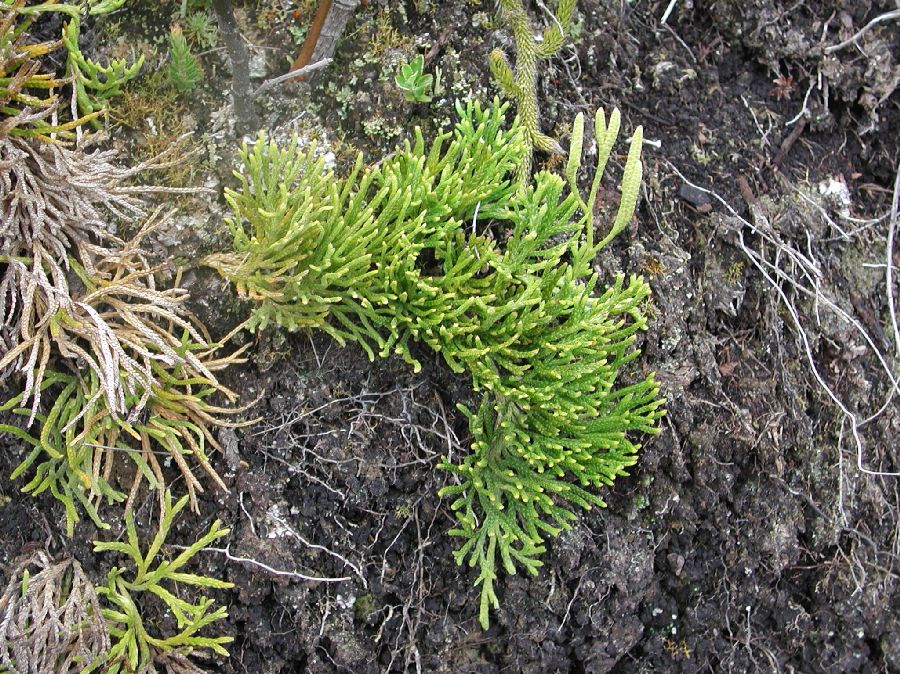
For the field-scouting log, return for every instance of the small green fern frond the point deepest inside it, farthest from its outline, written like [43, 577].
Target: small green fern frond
[93, 84]
[74, 453]
[184, 70]
[561, 413]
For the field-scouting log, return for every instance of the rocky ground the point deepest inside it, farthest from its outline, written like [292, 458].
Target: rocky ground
[756, 533]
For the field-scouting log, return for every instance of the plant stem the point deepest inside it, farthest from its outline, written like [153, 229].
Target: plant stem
[326, 30]
[245, 118]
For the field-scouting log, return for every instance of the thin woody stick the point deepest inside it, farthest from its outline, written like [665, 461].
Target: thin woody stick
[312, 37]
[328, 25]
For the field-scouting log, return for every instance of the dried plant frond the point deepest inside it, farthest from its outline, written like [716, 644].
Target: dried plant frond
[51, 620]
[54, 224]
[74, 454]
[57, 195]
[131, 370]
[53, 198]
[176, 663]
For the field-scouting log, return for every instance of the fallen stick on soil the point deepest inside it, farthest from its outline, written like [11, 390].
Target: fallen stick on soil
[788, 143]
[291, 75]
[887, 16]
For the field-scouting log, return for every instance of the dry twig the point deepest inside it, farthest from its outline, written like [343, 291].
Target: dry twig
[887, 16]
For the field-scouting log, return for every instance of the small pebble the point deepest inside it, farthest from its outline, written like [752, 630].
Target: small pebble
[698, 199]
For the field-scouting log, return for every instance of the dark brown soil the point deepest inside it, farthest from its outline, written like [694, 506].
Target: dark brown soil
[746, 538]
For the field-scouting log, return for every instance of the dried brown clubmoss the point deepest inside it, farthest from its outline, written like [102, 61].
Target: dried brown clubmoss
[58, 205]
[50, 621]
[142, 373]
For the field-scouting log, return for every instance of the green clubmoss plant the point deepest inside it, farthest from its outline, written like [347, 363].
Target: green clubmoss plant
[200, 28]
[184, 69]
[79, 441]
[95, 84]
[134, 648]
[123, 367]
[56, 620]
[443, 246]
[519, 83]
[27, 97]
[62, 454]
[96, 7]
[143, 386]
